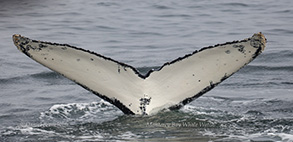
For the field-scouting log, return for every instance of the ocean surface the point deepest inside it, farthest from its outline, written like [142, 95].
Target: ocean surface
[254, 105]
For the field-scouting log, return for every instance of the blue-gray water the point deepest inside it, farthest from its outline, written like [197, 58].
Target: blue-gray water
[255, 104]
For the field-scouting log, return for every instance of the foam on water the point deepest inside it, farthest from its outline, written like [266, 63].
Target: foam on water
[82, 121]
[95, 111]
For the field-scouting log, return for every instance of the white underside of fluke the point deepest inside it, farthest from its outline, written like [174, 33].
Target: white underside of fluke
[172, 86]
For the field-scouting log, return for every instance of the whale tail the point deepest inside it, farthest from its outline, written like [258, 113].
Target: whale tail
[175, 84]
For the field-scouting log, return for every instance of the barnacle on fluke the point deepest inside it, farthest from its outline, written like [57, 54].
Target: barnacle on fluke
[173, 85]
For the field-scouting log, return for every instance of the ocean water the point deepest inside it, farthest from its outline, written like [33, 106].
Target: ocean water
[255, 104]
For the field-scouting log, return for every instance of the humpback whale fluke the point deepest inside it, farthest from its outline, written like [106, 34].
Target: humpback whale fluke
[175, 84]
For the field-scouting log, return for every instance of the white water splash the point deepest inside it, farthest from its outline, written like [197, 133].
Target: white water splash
[80, 111]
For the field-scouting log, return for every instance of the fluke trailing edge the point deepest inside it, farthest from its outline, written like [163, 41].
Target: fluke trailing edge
[175, 84]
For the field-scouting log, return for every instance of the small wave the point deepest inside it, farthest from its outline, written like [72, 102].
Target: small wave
[279, 30]
[162, 7]
[284, 11]
[251, 68]
[260, 84]
[107, 4]
[236, 4]
[175, 15]
[106, 28]
[269, 135]
[47, 77]
[41, 75]
[79, 112]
